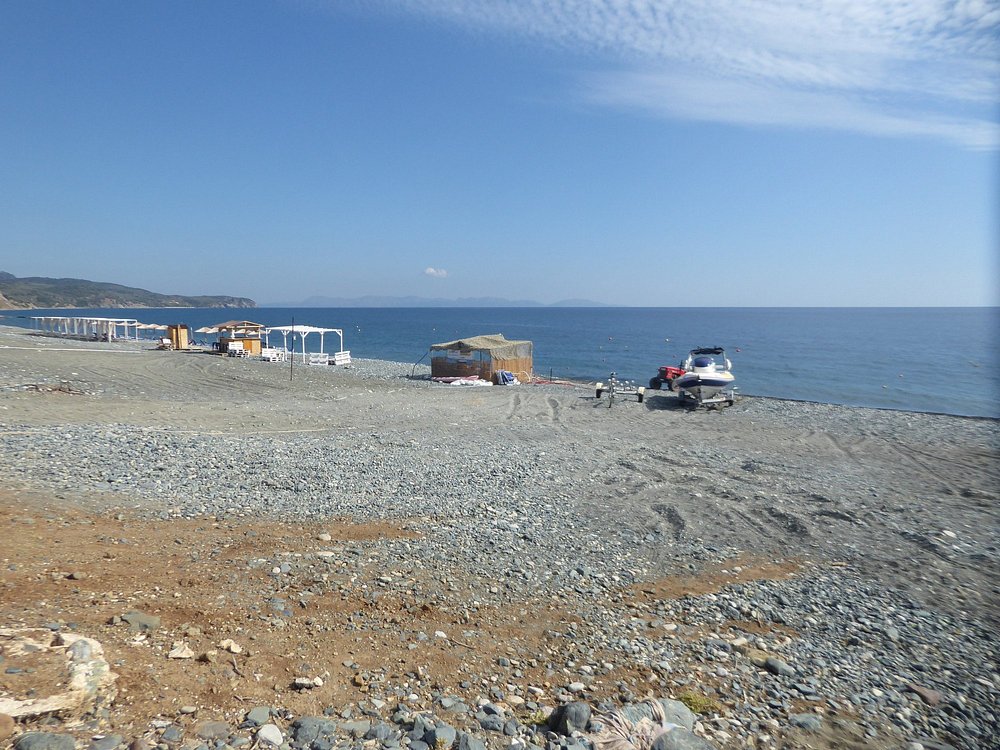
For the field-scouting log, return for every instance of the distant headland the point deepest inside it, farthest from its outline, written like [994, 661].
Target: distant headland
[40, 292]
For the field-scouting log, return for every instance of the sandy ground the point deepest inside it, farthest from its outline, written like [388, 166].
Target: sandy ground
[909, 500]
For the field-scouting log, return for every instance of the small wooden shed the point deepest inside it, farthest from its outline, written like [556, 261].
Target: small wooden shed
[178, 336]
[481, 356]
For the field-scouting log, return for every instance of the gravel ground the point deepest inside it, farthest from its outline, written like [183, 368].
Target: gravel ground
[879, 631]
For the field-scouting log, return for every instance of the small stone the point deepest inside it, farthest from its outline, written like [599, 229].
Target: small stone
[269, 734]
[172, 734]
[756, 656]
[108, 742]
[778, 667]
[180, 651]
[231, 646]
[929, 696]
[809, 722]
[140, 621]
[259, 715]
[212, 730]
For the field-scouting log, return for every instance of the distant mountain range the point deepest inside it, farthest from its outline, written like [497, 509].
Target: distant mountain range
[377, 301]
[37, 291]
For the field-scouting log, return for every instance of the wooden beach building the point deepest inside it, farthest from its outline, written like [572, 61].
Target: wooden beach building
[240, 334]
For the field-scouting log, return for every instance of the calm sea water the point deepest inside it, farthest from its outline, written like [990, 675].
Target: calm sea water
[943, 360]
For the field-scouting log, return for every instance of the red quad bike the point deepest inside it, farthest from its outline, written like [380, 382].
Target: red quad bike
[665, 377]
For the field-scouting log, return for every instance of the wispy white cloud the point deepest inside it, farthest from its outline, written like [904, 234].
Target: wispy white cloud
[899, 68]
[436, 273]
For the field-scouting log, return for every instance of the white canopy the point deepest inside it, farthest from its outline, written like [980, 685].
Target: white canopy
[86, 327]
[302, 332]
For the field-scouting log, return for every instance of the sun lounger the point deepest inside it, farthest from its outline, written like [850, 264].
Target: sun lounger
[318, 358]
[268, 354]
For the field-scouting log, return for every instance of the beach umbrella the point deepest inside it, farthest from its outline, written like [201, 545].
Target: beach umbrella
[207, 329]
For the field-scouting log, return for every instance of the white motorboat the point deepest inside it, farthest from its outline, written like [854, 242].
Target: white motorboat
[707, 376]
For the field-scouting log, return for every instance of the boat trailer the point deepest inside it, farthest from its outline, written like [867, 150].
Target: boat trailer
[720, 399]
[615, 387]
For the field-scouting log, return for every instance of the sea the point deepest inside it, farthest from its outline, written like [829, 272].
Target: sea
[936, 360]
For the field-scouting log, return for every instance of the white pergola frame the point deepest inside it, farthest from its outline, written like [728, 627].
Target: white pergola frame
[85, 327]
[303, 331]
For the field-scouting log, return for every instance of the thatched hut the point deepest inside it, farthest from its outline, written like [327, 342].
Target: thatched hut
[481, 356]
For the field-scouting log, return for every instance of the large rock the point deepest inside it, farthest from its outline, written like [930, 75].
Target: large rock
[681, 739]
[441, 736]
[467, 742]
[674, 711]
[572, 717]
[86, 684]
[44, 741]
[308, 729]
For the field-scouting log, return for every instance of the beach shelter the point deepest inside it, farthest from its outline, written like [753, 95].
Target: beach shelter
[88, 328]
[481, 356]
[242, 333]
[302, 331]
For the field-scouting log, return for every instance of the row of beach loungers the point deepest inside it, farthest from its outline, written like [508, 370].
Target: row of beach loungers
[276, 354]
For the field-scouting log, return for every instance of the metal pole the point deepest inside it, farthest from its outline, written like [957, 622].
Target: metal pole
[291, 359]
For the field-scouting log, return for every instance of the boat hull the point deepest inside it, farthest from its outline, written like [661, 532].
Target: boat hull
[702, 386]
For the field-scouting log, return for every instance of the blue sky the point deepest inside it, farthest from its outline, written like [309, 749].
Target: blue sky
[718, 152]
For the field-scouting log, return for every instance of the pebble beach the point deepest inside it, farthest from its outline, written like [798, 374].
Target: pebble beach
[405, 564]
